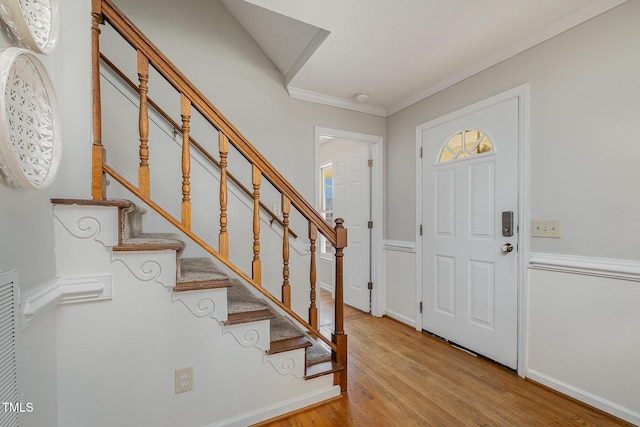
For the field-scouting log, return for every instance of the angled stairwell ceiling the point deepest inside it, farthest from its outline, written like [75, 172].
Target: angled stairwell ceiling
[398, 51]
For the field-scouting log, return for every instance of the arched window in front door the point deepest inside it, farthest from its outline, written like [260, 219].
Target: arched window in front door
[466, 143]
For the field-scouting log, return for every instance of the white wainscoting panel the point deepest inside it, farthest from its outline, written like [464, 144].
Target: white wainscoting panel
[400, 267]
[583, 330]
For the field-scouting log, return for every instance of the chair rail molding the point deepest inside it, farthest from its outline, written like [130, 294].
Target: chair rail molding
[590, 266]
[63, 291]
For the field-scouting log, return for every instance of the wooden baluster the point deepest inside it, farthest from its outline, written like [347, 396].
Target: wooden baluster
[143, 124]
[98, 156]
[224, 237]
[313, 310]
[338, 336]
[286, 288]
[256, 265]
[185, 110]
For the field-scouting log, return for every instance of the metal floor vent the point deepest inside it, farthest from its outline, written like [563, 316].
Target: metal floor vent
[8, 344]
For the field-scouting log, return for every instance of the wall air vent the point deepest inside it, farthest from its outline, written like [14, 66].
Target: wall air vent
[9, 331]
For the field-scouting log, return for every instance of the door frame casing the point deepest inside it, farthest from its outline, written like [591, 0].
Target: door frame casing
[378, 294]
[522, 94]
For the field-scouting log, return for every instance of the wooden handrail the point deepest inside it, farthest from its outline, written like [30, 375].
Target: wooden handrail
[192, 141]
[169, 71]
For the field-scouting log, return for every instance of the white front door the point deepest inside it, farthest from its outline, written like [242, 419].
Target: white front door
[352, 202]
[469, 178]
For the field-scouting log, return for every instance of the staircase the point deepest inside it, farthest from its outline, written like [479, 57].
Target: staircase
[241, 305]
[239, 293]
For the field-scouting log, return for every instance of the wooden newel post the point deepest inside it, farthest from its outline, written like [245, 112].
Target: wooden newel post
[98, 157]
[339, 337]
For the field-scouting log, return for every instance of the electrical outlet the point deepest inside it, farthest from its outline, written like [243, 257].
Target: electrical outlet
[184, 380]
[545, 228]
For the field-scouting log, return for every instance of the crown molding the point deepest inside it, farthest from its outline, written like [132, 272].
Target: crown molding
[581, 15]
[334, 101]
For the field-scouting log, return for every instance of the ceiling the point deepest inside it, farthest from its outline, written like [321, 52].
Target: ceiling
[397, 51]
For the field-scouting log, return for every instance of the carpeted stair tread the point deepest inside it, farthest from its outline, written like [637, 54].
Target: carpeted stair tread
[282, 328]
[285, 336]
[318, 353]
[200, 273]
[152, 242]
[243, 306]
[131, 222]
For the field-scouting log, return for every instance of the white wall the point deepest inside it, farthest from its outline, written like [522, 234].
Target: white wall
[582, 171]
[26, 225]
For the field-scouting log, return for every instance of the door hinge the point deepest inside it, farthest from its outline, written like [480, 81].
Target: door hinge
[370, 163]
[370, 224]
[370, 285]
[421, 229]
[420, 306]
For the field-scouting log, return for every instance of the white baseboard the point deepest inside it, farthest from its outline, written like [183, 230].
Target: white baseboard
[326, 286]
[401, 318]
[584, 396]
[279, 408]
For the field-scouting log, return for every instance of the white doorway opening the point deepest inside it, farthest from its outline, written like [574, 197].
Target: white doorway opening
[338, 144]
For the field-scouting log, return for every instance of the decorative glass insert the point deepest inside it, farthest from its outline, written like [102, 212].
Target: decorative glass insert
[33, 22]
[465, 143]
[30, 143]
[326, 201]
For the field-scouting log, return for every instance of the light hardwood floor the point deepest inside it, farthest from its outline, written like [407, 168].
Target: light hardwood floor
[401, 377]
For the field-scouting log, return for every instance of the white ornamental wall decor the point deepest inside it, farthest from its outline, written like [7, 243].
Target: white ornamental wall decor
[30, 141]
[35, 23]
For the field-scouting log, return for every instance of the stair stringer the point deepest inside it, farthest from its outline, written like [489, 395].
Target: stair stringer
[150, 266]
[252, 334]
[136, 340]
[208, 303]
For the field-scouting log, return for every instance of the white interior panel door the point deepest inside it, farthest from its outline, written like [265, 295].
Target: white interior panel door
[469, 177]
[351, 201]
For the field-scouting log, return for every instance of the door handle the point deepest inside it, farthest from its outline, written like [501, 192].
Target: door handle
[506, 248]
